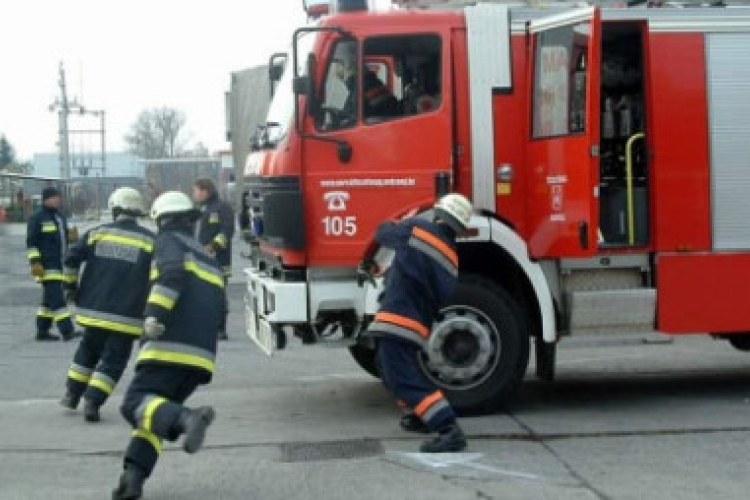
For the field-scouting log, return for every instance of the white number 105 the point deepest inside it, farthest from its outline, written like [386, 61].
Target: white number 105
[340, 226]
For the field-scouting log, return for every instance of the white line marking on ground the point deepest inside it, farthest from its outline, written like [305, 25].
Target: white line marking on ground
[333, 376]
[466, 460]
[603, 358]
[27, 402]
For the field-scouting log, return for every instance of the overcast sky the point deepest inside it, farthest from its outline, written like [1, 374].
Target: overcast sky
[134, 54]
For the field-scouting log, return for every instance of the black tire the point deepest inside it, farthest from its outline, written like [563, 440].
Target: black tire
[741, 342]
[505, 375]
[365, 358]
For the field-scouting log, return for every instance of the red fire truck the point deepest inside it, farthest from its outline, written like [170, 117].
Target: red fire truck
[607, 152]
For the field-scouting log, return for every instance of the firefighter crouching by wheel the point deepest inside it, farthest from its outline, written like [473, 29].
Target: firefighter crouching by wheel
[109, 300]
[183, 313]
[215, 230]
[420, 281]
[47, 240]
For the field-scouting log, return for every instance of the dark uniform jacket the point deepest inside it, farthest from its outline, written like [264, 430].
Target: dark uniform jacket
[420, 281]
[187, 297]
[115, 281]
[47, 242]
[216, 227]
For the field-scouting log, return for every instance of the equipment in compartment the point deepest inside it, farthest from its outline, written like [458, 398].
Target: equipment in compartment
[623, 161]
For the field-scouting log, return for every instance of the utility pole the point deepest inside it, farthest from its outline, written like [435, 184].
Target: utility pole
[63, 110]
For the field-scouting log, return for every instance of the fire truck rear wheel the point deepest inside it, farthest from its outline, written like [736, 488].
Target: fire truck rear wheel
[479, 347]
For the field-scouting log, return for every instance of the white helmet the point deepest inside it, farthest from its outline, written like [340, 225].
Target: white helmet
[128, 200]
[455, 210]
[171, 203]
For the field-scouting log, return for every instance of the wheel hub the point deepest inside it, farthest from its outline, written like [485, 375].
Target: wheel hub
[463, 349]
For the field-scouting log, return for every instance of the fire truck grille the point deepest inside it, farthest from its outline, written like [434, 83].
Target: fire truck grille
[331, 450]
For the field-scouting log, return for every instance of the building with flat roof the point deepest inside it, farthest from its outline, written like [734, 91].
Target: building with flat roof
[118, 164]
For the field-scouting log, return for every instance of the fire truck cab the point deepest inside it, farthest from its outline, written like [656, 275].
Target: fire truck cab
[606, 152]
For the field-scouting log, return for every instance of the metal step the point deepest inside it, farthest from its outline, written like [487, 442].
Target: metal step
[608, 295]
[612, 311]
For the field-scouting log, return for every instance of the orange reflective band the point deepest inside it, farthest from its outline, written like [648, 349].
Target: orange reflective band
[435, 242]
[405, 322]
[428, 402]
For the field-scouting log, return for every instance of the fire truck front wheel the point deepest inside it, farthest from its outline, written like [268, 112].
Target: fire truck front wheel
[479, 347]
[365, 358]
[741, 342]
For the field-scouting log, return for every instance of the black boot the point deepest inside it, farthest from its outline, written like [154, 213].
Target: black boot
[67, 337]
[412, 423]
[223, 335]
[131, 484]
[91, 411]
[450, 439]
[193, 423]
[45, 336]
[70, 401]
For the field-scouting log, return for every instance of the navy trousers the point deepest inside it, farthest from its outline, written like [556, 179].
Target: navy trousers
[152, 405]
[398, 365]
[98, 364]
[53, 308]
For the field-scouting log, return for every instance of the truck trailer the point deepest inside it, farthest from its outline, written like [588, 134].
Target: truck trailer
[606, 150]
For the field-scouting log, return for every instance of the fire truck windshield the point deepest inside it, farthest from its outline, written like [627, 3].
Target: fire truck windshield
[281, 110]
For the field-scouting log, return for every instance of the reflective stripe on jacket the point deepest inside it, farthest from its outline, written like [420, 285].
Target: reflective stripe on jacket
[420, 281]
[187, 297]
[216, 227]
[47, 242]
[115, 281]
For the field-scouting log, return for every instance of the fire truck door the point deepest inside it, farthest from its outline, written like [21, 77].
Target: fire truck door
[563, 151]
[396, 117]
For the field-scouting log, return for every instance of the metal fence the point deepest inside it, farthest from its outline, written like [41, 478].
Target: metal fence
[179, 174]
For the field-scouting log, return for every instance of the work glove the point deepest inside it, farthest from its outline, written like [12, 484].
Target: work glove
[366, 272]
[71, 294]
[73, 235]
[152, 329]
[37, 270]
[210, 249]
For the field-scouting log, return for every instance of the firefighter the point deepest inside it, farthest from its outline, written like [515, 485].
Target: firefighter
[183, 313]
[420, 281]
[379, 101]
[215, 230]
[47, 240]
[109, 300]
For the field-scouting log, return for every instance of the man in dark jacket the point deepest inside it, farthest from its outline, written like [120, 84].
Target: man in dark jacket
[215, 230]
[109, 300]
[183, 313]
[47, 239]
[420, 281]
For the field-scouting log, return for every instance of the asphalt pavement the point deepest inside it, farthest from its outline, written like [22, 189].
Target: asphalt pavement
[625, 420]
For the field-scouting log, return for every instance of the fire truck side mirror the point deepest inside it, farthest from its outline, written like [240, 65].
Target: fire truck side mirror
[305, 86]
[302, 85]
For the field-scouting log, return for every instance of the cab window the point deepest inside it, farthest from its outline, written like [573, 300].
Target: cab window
[339, 100]
[560, 81]
[401, 77]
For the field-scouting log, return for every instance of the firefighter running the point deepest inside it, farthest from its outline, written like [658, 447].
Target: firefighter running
[109, 300]
[420, 281]
[215, 230]
[47, 240]
[183, 313]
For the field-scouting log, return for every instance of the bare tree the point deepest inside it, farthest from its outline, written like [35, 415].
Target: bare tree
[7, 153]
[157, 133]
